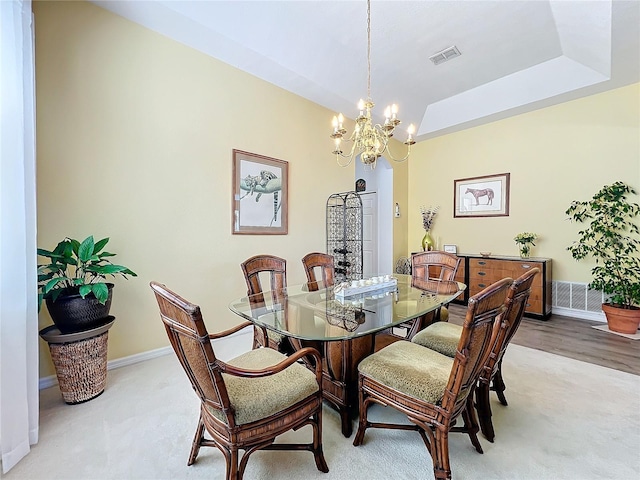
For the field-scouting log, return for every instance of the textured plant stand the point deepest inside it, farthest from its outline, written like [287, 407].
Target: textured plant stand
[80, 360]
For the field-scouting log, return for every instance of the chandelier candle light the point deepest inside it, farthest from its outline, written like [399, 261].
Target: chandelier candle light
[369, 141]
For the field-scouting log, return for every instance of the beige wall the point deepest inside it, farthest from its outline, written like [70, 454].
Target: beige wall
[134, 140]
[401, 197]
[554, 155]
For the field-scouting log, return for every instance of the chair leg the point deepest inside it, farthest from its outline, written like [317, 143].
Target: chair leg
[498, 385]
[483, 407]
[232, 465]
[318, 454]
[363, 423]
[471, 424]
[197, 441]
[440, 455]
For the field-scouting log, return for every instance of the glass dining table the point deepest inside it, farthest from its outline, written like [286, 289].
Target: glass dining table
[342, 322]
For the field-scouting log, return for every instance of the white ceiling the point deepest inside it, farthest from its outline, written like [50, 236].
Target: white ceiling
[517, 56]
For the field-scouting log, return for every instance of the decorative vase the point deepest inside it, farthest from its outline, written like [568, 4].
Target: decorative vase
[427, 242]
[525, 250]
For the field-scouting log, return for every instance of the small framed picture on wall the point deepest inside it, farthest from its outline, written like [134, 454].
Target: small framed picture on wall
[450, 248]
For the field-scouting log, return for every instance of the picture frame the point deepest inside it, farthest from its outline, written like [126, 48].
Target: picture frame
[450, 248]
[485, 196]
[260, 204]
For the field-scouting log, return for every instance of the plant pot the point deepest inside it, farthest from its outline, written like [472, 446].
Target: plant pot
[622, 320]
[71, 313]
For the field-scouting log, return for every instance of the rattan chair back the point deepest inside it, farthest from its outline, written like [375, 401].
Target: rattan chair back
[322, 262]
[190, 341]
[433, 265]
[276, 267]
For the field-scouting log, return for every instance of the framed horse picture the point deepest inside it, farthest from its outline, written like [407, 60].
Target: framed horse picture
[260, 203]
[486, 196]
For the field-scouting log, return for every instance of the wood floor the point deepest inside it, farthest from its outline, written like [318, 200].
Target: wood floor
[573, 338]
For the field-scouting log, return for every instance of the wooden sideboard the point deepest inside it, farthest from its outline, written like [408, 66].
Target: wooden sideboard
[478, 272]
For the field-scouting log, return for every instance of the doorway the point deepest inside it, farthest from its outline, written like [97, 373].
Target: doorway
[377, 203]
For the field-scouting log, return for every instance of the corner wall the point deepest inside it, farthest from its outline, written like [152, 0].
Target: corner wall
[554, 155]
[134, 142]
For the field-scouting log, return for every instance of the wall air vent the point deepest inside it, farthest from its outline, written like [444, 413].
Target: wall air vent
[577, 300]
[444, 55]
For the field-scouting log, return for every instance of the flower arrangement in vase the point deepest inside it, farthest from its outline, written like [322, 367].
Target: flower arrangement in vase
[525, 242]
[428, 215]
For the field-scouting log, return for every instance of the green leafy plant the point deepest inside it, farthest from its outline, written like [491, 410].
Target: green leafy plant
[612, 239]
[77, 268]
[525, 240]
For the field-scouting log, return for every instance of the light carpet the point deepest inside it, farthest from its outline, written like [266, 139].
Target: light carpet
[566, 419]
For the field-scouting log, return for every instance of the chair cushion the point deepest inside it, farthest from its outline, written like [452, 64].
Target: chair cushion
[443, 337]
[444, 314]
[273, 336]
[257, 398]
[411, 369]
[276, 337]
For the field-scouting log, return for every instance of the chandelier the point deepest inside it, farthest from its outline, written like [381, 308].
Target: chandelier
[369, 140]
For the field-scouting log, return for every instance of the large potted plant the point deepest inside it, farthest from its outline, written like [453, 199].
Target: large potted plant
[612, 239]
[73, 284]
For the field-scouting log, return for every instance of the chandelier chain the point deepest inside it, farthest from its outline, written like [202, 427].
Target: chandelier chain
[369, 140]
[368, 49]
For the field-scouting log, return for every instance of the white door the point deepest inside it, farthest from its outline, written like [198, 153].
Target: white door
[369, 234]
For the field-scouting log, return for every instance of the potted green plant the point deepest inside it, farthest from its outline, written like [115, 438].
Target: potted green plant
[524, 241]
[73, 283]
[612, 239]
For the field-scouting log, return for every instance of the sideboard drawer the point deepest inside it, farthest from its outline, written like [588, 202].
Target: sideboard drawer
[480, 272]
[534, 306]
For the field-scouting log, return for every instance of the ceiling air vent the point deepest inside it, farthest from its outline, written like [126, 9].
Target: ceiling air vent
[444, 55]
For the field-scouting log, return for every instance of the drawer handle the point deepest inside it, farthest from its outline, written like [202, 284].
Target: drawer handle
[482, 263]
[482, 274]
[526, 266]
[481, 285]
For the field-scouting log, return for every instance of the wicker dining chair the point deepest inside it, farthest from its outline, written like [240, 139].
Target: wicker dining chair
[318, 267]
[430, 388]
[427, 270]
[434, 265]
[322, 262]
[443, 337]
[276, 268]
[246, 402]
[406, 330]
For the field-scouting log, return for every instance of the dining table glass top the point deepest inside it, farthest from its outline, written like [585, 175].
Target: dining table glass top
[305, 313]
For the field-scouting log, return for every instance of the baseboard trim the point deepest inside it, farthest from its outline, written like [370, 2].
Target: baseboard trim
[579, 314]
[52, 380]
